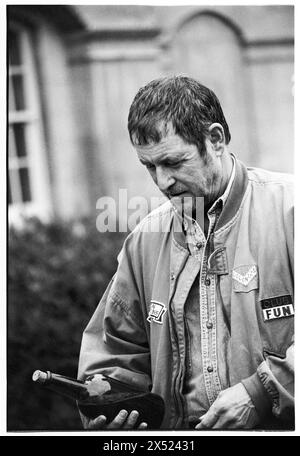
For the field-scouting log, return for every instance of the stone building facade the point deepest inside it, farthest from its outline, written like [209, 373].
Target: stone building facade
[73, 71]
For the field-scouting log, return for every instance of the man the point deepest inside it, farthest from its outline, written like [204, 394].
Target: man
[201, 306]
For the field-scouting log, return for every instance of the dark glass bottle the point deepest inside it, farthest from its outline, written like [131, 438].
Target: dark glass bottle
[104, 395]
[75, 389]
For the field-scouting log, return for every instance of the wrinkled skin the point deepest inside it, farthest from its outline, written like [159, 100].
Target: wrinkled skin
[233, 409]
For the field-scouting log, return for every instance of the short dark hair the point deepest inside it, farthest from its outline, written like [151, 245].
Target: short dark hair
[188, 105]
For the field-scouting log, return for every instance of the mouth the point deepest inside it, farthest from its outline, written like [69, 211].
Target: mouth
[179, 194]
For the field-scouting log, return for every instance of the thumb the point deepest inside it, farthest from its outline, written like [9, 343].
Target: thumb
[207, 420]
[97, 423]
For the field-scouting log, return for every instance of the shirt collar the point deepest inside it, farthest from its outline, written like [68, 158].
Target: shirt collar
[223, 198]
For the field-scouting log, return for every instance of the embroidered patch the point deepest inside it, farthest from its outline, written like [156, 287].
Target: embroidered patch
[277, 307]
[246, 278]
[156, 312]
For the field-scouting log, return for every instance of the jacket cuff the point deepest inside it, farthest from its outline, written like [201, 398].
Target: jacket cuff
[259, 396]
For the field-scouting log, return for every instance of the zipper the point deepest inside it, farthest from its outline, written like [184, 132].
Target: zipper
[180, 367]
[188, 347]
[177, 378]
[176, 396]
[178, 403]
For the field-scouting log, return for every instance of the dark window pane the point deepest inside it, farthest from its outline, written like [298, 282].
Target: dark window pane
[9, 192]
[11, 102]
[14, 186]
[17, 82]
[11, 142]
[14, 48]
[19, 131]
[25, 186]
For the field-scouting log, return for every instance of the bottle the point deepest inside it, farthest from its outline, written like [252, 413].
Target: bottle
[67, 386]
[104, 395]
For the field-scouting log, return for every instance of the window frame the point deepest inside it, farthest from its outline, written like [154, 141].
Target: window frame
[36, 156]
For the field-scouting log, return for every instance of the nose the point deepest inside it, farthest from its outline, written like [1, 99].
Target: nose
[164, 179]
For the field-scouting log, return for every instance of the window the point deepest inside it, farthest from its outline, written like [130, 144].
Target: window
[28, 187]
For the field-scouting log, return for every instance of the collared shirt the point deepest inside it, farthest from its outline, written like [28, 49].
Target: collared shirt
[207, 349]
[195, 237]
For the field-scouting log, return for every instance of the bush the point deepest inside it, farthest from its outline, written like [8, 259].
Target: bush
[56, 274]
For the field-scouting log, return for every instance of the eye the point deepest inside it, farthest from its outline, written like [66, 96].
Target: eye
[149, 166]
[173, 164]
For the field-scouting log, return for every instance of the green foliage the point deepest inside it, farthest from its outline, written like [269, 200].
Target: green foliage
[56, 274]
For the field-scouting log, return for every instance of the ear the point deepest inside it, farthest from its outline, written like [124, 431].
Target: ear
[217, 138]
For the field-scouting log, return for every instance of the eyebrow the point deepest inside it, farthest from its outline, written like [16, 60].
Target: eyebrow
[174, 158]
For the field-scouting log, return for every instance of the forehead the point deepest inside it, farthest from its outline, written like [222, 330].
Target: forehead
[169, 144]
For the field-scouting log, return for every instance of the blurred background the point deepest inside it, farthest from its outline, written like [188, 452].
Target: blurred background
[72, 74]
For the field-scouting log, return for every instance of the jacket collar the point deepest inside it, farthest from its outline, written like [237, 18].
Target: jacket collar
[229, 209]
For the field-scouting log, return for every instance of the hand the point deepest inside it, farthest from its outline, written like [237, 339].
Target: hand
[122, 421]
[233, 409]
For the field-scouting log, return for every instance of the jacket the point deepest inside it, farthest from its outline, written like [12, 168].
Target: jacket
[131, 335]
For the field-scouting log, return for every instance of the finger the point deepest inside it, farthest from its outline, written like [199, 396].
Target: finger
[208, 420]
[97, 423]
[131, 420]
[119, 420]
[227, 421]
[143, 425]
[225, 424]
[200, 426]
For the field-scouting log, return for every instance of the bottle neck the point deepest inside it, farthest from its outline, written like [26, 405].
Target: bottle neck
[66, 386]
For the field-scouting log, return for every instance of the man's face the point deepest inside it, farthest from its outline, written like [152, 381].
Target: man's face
[178, 169]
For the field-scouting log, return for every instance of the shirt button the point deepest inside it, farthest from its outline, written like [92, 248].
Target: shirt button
[210, 369]
[209, 324]
[199, 245]
[207, 282]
